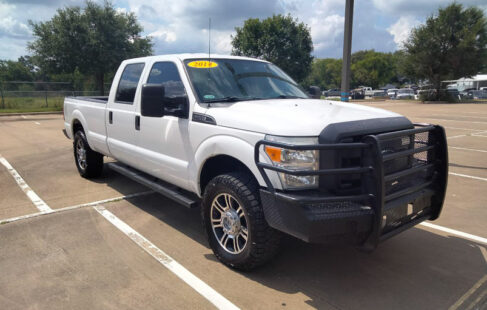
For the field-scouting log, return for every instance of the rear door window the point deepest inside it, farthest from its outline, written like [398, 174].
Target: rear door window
[128, 83]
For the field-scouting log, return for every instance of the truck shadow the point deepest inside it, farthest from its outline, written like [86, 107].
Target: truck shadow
[415, 270]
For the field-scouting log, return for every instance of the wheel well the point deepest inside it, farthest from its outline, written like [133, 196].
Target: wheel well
[220, 164]
[77, 126]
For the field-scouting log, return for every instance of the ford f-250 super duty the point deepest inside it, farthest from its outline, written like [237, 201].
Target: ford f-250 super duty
[240, 138]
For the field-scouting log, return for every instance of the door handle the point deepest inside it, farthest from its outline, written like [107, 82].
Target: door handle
[110, 117]
[137, 122]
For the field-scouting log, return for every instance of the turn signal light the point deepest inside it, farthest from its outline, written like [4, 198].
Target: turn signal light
[274, 153]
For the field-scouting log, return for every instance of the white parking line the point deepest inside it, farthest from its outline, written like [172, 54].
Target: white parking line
[454, 137]
[456, 232]
[94, 203]
[90, 204]
[201, 287]
[469, 293]
[451, 120]
[467, 149]
[36, 200]
[461, 128]
[467, 176]
[198, 285]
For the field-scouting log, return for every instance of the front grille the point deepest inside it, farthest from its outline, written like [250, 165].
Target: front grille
[392, 167]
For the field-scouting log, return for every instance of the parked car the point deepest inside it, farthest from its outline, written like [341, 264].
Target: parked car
[405, 93]
[392, 93]
[260, 157]
[357, 93]
[467, 93]
[380, 94]
[334, 92]
[479, 94]
[368, 91]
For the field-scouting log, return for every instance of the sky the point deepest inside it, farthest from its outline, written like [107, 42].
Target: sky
[181, 26]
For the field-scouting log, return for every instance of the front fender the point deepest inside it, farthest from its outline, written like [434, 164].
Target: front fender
[223, 145]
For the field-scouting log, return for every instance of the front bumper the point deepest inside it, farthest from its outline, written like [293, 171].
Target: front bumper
[398, 189]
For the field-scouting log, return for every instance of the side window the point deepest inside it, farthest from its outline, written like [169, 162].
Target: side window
[128, 83]
[167, 74]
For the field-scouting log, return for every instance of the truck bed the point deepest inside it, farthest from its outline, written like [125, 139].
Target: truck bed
[100, 99]
[92, 110]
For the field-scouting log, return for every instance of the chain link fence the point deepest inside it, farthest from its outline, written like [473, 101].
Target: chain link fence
[18, 96]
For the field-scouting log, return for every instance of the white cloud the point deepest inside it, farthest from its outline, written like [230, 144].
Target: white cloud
[326, 32]
[162, 34]
[401, 29]
[420, 8]
[178, 26]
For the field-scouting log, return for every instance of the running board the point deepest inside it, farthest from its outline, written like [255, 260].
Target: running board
[175, 193]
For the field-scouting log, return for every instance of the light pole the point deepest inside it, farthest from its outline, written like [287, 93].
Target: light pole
[347, 50]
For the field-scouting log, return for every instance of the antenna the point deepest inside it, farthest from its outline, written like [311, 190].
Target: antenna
[209, 39]
[209, 53]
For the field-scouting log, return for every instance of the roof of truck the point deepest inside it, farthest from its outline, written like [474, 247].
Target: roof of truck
[192, 56]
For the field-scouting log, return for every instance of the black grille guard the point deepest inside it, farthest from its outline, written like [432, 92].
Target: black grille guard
[427, 173]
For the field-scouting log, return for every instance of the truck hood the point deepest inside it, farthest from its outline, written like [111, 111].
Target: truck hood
[291, 117]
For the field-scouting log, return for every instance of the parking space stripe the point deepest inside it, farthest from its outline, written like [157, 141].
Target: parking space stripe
[198, 285]
[467, 176]
[456, 232]
[450, 120]
[94, 203]
[36, 200]
[461, 128]
[84, 205]
[467, 149]
[454, 137]
[469, 293]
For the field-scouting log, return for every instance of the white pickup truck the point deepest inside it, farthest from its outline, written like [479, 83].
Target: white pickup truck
[240, 138]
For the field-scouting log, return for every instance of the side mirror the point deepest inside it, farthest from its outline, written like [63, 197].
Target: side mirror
[152, 100]
[315, 92]
[177, 106]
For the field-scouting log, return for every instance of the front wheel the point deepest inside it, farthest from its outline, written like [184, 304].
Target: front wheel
[234, 221]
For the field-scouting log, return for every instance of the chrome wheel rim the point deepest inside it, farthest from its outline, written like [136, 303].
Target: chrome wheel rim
[229, 223]
[81, 154]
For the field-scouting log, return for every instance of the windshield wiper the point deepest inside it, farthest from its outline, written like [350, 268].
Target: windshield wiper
[287, 97]
[230, 99]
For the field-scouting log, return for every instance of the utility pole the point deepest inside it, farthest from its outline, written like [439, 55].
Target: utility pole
[347, 50]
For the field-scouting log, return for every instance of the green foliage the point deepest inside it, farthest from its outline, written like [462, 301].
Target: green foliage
[325, 73]
[371, 68]
[15, 71]
[448, 46]
[93, 40]
[279, 39]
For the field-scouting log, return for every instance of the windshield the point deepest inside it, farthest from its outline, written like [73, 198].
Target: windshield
[406, 91]
[227, 80]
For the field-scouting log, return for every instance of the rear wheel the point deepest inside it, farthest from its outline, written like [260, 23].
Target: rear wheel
[88, 162]
[234, 221]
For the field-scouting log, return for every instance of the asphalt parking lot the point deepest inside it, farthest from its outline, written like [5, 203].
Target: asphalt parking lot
[71, 243]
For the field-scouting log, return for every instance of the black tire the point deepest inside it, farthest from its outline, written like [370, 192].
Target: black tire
[262, 241]
[91, 166]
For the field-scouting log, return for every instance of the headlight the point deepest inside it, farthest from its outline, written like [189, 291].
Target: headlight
[294, 160]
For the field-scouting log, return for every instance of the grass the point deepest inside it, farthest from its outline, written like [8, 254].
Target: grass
[31, 104]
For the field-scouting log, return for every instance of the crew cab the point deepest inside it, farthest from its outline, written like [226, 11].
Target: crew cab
[238, 137]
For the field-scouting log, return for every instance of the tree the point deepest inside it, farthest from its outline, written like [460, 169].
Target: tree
[16, 70]
[93, 40]
[279, 39]
[448, 46]
[325, 73]
[371, 68]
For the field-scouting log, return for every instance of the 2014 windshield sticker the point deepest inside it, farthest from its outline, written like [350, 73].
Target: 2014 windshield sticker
[201, 64]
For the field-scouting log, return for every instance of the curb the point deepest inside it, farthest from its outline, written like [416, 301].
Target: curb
[30, 113]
